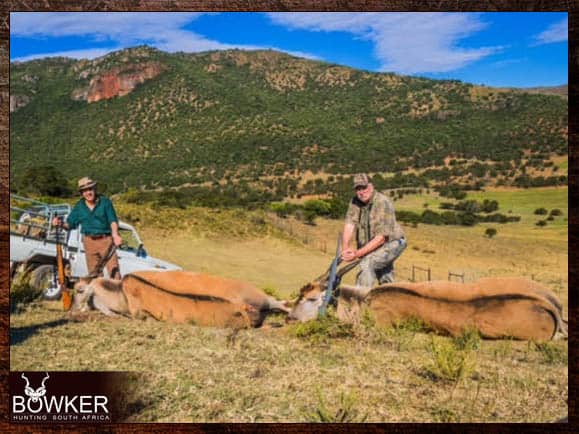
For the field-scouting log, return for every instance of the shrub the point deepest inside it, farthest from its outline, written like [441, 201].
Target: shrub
[448, 362]
[556, 212]
[45, 180]
[551, 352]
[490, 232]
[345, 412]
[322, 329]
[281, 209]
[541, 211]
[469, 340]
[541, 223]
[21, 290]
[431, 218]
[412, 324]
[272, 292]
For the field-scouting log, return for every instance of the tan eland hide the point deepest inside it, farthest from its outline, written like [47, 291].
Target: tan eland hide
[497, 307]
[202, 299]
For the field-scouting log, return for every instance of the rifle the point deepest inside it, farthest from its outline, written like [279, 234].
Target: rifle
[99, 267]
[61, 276]
[333, 279]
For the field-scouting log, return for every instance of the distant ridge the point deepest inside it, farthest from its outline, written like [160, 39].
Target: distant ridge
[141, 117]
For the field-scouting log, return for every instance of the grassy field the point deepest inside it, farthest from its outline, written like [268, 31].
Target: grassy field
[332, 373]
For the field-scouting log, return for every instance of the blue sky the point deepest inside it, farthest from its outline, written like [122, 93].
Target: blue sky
[520, 49]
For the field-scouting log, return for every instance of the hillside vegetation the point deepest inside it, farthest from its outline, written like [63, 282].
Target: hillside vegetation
[254, 123]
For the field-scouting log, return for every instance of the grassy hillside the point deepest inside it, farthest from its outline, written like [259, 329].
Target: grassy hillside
[240, 116]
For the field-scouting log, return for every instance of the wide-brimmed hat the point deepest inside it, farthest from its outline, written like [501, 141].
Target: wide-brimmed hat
[86, 182]
[361, 180]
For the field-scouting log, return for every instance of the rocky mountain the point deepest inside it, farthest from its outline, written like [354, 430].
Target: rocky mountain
[144, 118]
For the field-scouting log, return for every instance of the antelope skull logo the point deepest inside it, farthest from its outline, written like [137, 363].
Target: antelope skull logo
[35, 395]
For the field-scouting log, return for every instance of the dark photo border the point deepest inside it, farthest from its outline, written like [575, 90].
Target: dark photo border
[7, 6]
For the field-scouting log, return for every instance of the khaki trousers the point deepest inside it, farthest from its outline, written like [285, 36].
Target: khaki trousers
[95, 250]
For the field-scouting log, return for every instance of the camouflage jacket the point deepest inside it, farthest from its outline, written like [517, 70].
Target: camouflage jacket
[374, 218]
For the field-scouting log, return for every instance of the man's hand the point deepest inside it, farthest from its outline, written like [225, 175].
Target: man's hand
[117, 240]
[348, 254]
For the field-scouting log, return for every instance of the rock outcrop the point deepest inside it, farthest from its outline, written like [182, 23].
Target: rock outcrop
[118, 81]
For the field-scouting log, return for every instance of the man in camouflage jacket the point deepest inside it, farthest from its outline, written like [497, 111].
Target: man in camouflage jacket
[379, 238]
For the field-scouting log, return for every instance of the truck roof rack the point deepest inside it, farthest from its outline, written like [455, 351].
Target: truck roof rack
[33, 218]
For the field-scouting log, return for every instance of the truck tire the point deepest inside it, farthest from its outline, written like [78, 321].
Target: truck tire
[42, 278]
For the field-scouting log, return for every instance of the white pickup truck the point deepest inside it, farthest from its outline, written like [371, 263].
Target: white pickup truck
[33, 246]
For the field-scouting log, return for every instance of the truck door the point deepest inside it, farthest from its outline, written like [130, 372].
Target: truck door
[76, 254]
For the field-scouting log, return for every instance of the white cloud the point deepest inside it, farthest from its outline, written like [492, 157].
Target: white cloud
[116, 26]
[403, 42]
[507, 62]
[91, 53]
[164, 31]
[557, 32]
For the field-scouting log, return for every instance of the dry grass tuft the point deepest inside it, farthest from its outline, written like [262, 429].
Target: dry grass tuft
[21, 291]
[449, 363]
[344, 411]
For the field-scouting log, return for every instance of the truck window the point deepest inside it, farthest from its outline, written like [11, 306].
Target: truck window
[130, 243]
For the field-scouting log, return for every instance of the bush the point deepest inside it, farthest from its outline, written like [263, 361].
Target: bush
[44, 180]
[448, 362]
[323, 329]
[272, 292]
[490, 232]
[344, 413]
[551, 352]
[556, 212]
[408, 217]
[541, 211]
[281, 209]
[469, 340]
[431, 218]
[22, 291]
[541, 223]
[413, 325]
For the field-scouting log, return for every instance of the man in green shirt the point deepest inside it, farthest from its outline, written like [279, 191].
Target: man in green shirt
[379, 238]
[99, 226]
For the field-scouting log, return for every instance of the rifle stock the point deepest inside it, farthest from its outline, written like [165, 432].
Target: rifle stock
[61, 275]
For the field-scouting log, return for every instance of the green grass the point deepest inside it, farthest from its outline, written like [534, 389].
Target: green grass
[512, 202]
[524, 202]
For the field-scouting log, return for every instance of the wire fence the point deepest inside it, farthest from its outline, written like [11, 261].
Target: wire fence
[299, 232]
[412, 272]
[309, 235]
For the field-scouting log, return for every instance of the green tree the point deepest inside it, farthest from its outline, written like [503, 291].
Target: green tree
[44, 180]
